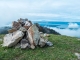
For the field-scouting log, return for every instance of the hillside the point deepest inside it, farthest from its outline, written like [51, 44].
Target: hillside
[63, 49]
[4, 30]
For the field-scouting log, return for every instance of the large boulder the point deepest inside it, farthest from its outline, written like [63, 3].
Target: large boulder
[12, 38]
[33, 35]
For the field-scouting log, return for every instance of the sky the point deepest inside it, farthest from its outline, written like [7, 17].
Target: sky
[48, 10]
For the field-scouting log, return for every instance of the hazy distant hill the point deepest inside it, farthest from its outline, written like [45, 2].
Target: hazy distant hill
[4, 30]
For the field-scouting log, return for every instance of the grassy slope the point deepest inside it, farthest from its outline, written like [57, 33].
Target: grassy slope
[63, 49]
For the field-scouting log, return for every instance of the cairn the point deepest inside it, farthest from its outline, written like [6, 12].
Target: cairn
[24, 35]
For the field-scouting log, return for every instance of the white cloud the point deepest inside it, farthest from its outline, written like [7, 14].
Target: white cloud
[68, 32]
[73, 25]
[39, 9]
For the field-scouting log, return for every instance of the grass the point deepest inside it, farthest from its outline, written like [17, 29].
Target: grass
[63, 49]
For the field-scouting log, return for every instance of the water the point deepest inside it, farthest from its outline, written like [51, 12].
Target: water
[64, 28]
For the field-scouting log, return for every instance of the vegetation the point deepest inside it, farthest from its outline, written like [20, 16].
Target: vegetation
[63, 49]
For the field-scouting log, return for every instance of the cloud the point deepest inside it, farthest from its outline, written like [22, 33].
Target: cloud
[68, 32]
[73, 25]
[63, 10]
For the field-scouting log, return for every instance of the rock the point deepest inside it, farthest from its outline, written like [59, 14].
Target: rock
[12, 38]
[12, 30]
[46, 35]
[33, 35]
[27, 27]
[22, 29]
[42, 42]
[22, 21]
[28, 24]
[24, 34]
[48, 43]
[16, 25]
[78, 55]
[25, 44]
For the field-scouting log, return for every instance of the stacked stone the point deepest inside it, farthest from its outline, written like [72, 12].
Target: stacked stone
[24, 35]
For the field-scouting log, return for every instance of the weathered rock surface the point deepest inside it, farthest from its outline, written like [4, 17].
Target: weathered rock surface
[34, 36]
[42, 42]
[25, 44]
[12, 38]
[12, 30]
[22, 29]
[16, 25]
[48, 43]
[28, 24]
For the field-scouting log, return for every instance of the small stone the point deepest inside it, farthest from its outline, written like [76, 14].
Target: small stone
[24, 44]
[42, 42]
[78, 55]
[28, 24]
[49, 43]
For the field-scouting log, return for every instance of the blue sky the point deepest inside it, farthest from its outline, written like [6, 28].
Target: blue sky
[53, 10]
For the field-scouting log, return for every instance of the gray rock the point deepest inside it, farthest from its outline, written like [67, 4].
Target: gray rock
[42, 42]
[12, 39]
[24, 44]
[28, 24]
[49, 43]
[22, 29]
[16, 25]
[12, 30]
[33, 35]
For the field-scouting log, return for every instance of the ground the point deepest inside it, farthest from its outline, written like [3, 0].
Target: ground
[64, 48]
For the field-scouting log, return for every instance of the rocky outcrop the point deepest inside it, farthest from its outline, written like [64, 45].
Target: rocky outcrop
[24, 35]
[46, 30]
